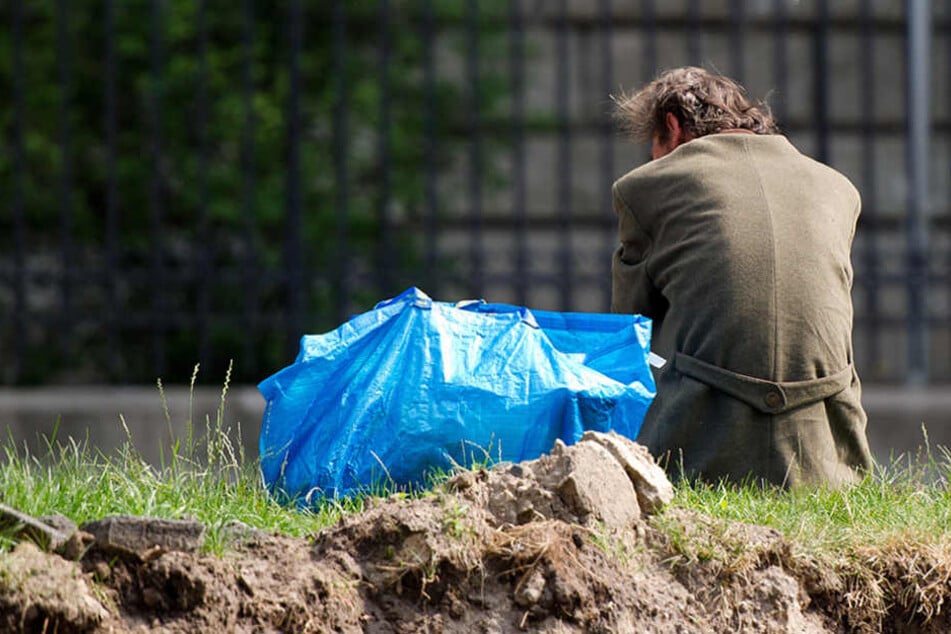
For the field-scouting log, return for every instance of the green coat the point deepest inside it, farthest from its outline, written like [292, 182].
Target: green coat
[738, 247]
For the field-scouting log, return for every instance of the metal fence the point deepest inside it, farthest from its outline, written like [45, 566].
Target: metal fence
[187, 184]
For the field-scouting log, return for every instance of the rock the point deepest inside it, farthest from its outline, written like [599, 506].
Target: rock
[101, 571]
[772, 596]
[581, 483]
[43, 593]
[517, 499]
[76, 546]
[654, 490]
[236, 532]
[27, 527]
[595, 486]
[530, 589]
[153, 599]
[462, 481]
[135, 535]
[61, 523]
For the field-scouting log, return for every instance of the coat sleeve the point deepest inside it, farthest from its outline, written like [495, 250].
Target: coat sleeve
[632, 290]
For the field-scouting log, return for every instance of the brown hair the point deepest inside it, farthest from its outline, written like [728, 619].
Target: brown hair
[704, 103]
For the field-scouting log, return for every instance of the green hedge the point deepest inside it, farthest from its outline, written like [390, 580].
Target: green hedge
[222, 236]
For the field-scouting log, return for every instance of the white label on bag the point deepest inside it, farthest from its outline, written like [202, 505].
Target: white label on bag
[655, 360]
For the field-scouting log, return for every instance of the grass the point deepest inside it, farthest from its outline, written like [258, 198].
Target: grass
[872, 553]
[204, 476]
[906, 499]
[885, 542]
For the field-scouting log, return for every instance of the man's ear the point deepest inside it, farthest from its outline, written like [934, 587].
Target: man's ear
[675, 131]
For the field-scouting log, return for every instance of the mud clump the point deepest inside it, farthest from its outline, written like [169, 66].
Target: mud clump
[576, 541]
[39, 592]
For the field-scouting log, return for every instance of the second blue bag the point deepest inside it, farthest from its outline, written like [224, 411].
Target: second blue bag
[415, 385]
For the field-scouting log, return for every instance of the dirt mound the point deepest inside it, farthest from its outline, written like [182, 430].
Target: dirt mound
[553, 545]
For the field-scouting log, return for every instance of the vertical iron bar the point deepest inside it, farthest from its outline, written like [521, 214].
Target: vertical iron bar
[19, 220]
[340, 144]
[781, 59]
[820, 76]
[67, 274]
[693, 32]
[429, 124]
[607, 145]
[737, 44]
[869, 178]
[919, 125]
[205, 246]
[387, 260]
[116, 356]
[292, 237]
[475, 155]
[156, 192]
[248, 193]
[519, 199]
[563, 175]
[649, 64]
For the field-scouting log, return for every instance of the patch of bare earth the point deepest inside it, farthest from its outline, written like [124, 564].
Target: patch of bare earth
[572, 542]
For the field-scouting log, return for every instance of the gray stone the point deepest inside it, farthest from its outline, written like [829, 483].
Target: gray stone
[61, 523]
[133, 534]
[236, 531]
[27, 527]
[515, 499]
[530, 588]
[595, 486]
[76, 547]
[578, 484]
[654, 490]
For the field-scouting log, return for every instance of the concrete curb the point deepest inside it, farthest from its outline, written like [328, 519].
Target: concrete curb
[896, 416]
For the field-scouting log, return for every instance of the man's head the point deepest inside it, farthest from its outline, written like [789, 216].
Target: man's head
[686, 103]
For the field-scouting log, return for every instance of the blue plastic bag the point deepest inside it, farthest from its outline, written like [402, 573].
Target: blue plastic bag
[416, 384]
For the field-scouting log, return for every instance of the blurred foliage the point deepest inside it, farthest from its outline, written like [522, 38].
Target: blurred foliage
[199, 173]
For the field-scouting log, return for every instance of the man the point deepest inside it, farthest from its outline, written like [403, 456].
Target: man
[738, 247]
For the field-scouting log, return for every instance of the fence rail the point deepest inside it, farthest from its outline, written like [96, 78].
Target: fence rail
[194, 186]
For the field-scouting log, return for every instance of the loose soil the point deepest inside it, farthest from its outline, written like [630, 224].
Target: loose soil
[448, 563]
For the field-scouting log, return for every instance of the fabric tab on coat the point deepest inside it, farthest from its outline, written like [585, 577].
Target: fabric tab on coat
[769, 397]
